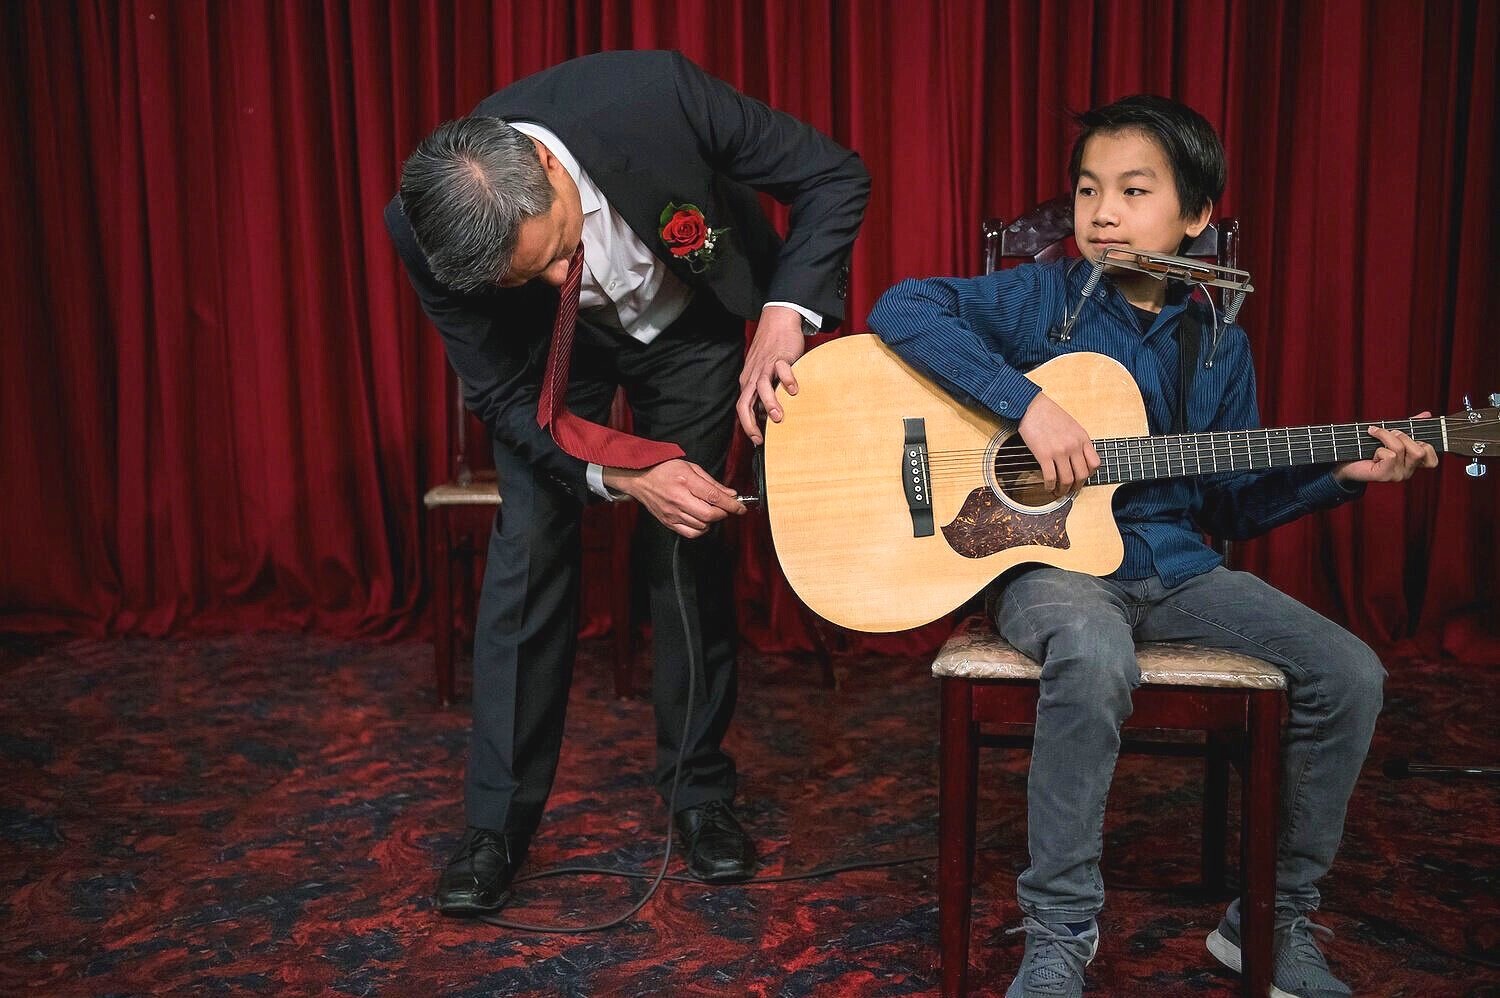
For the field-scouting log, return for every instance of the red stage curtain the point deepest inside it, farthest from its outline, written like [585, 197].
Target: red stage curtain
[221, 403]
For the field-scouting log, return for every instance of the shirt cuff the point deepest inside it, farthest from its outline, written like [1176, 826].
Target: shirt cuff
[1010, 394]
[595, 476]
[812, 322]
[1326, 491]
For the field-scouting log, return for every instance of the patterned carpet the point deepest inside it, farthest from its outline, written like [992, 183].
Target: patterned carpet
[263, 814]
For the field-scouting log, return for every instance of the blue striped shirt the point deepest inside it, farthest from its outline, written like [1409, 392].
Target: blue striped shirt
[978, 336]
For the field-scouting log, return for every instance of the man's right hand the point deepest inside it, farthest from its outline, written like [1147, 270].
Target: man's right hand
[1060, 445]
[683, 496]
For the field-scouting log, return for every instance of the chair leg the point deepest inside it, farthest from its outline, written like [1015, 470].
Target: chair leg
[442, 606]
[1258, 904]
[956, 811]
[469, 554]
[620, 600]
[1215, 813]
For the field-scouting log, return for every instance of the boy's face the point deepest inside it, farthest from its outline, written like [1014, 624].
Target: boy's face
[1126, 196]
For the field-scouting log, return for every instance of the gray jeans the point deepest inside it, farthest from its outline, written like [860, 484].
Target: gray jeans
[1083, 630]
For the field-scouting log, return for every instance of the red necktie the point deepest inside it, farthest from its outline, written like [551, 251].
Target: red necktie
[576, 436]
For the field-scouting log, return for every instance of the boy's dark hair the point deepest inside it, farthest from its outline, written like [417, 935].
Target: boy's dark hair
[1191, 145]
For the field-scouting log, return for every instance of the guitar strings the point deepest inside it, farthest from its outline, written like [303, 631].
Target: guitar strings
[1018, 459]
[1197, 446]
[1355, 430]
[1163, 451]
[1180, 458]
[1014, 462]
[1163, 455]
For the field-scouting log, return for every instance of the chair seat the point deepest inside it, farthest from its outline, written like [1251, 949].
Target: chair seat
[479, 492]
[975, 651]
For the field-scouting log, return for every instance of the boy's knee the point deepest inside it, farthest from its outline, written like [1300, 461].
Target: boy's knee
[1371, 681]
[1074, 627]
[1093, 639]
[1091, 664]
[1359, 679]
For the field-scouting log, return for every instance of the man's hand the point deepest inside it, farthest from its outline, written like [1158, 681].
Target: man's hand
[1060, 445]
[1396, 460]
[683, 496]
[778, 341]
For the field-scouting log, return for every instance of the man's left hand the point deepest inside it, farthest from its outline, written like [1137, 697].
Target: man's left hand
[1396, 460]
[778, 341]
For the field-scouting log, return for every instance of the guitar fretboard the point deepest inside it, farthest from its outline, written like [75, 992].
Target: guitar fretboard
[1134, 459]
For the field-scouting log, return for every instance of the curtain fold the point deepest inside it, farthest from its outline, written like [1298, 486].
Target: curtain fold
[220, 404]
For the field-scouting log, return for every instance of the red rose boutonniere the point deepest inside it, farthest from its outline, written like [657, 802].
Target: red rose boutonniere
[688, 236]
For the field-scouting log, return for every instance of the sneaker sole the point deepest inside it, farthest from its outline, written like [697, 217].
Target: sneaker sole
[1228, 954]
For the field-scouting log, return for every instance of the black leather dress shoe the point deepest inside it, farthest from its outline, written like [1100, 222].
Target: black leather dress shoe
[715, 846]
[477, 878]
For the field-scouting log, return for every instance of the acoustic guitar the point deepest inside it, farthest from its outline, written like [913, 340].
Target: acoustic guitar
[891, 503]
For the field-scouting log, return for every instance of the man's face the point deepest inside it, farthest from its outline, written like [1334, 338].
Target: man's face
[545, 243]
[1126, 196]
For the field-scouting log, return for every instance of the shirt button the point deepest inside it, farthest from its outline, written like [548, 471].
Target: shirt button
[1004, 405]
[613, 285]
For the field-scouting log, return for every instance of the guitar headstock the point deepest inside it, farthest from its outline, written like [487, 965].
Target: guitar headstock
[1474, 433]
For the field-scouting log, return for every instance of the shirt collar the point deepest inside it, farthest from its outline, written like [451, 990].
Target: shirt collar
[588, 194]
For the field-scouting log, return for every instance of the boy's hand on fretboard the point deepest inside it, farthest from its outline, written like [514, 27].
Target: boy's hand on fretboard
[1396, 460]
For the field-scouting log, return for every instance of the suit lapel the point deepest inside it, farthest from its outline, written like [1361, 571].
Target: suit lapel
[638, 198]
[638, 192]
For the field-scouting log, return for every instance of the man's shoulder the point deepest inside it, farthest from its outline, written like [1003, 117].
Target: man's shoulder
[401, 233]
[395, 215]
[599, 73]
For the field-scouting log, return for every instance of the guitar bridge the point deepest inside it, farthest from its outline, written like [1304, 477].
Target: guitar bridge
[915, 479]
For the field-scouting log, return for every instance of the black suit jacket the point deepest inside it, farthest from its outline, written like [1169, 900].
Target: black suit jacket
[651, 128]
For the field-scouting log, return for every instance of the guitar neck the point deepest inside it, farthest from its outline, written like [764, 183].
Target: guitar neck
[1136, 459]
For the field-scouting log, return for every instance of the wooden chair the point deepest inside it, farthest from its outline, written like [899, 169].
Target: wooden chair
[1233, 700]
[462, 512]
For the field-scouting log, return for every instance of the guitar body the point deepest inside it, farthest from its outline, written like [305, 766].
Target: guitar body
[836, 473]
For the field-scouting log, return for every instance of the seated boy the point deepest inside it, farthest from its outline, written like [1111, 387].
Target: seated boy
[1146, 173]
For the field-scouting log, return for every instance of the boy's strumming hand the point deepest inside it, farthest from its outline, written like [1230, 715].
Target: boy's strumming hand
[683, 496]
[1396, 460]
[1060, 445]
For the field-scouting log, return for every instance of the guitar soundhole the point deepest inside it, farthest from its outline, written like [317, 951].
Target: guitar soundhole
[1013, 509]
[1019, 477]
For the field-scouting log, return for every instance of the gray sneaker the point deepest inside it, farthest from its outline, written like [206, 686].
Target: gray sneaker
[1300, 970]
[1054, 960]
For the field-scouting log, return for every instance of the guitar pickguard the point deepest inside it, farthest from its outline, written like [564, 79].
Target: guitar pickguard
[986, 526]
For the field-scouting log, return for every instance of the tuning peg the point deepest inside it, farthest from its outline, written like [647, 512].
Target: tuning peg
[1495, 398]
[1468, 406]
[1475, 470]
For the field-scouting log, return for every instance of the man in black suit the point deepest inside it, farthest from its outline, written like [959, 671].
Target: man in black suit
[653, 166]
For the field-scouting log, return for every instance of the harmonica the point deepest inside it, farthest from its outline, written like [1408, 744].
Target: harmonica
[1163, 266]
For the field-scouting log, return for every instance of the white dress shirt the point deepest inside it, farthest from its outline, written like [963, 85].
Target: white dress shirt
[619, 271]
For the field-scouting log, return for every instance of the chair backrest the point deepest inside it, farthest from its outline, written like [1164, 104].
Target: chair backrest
[1042, 234]
[465, 438]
